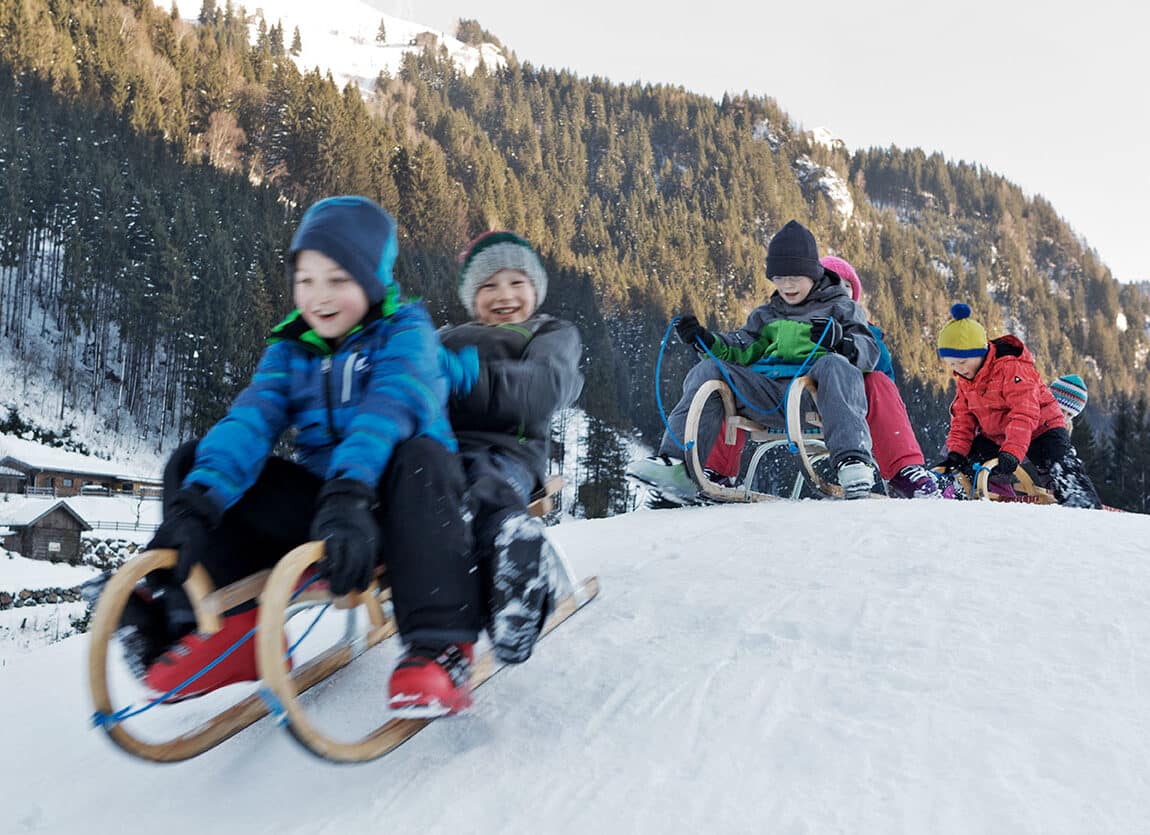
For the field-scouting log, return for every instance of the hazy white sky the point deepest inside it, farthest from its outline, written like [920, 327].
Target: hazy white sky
[1052, 96]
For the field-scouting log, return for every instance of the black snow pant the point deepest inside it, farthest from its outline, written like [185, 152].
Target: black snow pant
[499, 489]
[425, 541]
[1056, 461]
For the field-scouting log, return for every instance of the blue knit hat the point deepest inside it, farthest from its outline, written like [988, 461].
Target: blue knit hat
[355, 233]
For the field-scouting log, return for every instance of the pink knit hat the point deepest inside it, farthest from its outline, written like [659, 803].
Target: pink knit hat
[844, 271]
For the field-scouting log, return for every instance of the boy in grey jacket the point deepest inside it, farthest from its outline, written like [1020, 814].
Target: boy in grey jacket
[511, 369]
[811, 314]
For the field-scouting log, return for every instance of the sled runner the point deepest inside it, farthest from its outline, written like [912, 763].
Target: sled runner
[284, 592]
[768, 438]
[795, 421]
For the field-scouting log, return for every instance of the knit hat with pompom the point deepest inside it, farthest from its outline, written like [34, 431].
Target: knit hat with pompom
[962, 337]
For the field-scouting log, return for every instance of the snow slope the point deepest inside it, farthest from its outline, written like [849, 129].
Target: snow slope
[816, 667]
[339, 37]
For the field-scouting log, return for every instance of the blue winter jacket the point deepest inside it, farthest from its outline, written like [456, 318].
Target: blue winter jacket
[351, 405]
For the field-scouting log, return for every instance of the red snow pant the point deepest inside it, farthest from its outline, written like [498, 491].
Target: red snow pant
[891, 435]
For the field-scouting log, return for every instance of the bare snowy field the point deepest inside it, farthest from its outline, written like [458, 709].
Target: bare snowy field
[815, 667]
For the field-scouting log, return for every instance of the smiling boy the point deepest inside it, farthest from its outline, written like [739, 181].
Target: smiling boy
[511, 368]
[810, 317]
[354, 371]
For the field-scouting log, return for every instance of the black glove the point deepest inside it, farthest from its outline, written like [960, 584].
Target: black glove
[954, 462]
[689, 331]
[346, 524]
[834, 333]
[1006, 465]
[187, 526]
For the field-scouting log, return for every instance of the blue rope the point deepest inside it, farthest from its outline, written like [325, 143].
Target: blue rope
[658, 395]
[792, 447]
[100, 719]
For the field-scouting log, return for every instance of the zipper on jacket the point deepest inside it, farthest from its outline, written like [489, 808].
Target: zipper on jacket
[348, 370]
[325, 370]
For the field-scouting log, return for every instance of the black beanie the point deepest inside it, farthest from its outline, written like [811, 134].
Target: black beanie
[793, 251]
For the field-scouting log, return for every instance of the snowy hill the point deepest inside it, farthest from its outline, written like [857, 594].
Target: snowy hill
[816, 667]
[340, 36]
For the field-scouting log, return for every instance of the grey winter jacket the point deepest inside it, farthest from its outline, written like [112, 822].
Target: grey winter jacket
[527, 372]
[828, 298]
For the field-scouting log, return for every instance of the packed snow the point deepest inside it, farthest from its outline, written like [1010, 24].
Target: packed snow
[18, 573]
[810, 667]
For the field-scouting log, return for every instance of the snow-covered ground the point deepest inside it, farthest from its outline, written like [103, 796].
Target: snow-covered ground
[808, 667]
[17, 572]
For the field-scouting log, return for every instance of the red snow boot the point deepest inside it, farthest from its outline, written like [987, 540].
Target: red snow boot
[432, 681]
[194, 652]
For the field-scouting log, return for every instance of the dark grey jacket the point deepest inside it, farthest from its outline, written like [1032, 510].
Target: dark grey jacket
[527, 372]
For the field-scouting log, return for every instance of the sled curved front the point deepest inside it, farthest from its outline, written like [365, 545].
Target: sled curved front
[733, 423]
[106, 620]
[277, 596]
[1030, 492]
[282, 689]
[795, 431]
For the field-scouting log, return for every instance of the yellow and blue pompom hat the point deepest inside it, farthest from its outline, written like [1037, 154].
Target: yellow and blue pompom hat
[962, 337]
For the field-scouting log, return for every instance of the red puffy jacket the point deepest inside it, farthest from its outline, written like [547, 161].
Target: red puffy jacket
[1007, 401]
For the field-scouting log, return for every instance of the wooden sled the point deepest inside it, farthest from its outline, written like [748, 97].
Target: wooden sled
[276, 591]
[1028, 492]
[209, 606]
[768, 438]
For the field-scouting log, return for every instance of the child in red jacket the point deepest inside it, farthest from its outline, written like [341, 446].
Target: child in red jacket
[1003, 409]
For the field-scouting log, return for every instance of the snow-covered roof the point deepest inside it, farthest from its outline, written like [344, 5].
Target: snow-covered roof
[21, 511]
[9, 471]
[38, 456]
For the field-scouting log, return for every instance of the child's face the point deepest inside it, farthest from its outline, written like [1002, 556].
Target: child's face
[508, 297]
[794, 288]
[328, 298]
[964, 366]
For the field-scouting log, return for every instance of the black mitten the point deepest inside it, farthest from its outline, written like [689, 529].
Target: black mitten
[345, 522]
[1006, 465]
[828, 333]
[690, 331]
[954, 462]
[188, 522]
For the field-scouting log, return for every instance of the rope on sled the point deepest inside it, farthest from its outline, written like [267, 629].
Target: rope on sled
[100, 719]
[791, 445]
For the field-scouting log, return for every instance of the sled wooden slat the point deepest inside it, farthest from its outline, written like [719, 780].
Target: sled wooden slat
[386, 737]
[541, 502]
[232, 595]
[231, 720]
[200, 588]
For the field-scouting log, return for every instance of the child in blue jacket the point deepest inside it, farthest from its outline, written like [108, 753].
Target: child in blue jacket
[355, 372]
